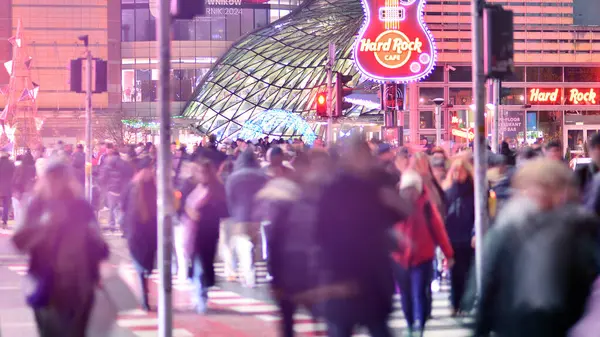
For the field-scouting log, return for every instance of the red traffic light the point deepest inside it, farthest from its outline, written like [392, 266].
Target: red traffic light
[321, 104]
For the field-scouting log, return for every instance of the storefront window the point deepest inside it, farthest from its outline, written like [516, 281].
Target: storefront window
[426, 95]
[517, 76]
[511, 127]
[549, 126]
[512, 96]
[575, 141]
[461, 96]
[427, 119]
[436, 76]
[461, 74]
[582, 74]
[544, 74]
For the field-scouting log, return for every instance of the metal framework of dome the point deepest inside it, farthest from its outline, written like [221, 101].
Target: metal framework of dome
[279, 67]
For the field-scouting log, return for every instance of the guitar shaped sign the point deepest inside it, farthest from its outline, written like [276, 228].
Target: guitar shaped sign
[394, 43]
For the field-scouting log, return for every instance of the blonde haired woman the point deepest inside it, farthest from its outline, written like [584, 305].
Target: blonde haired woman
[60, 234]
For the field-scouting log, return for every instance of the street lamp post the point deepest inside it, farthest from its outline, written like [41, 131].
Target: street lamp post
[438, 120]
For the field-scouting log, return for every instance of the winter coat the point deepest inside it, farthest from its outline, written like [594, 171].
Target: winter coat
[423, 230]
[24, 177]
[202, 234]
[242, 186]
[585, 176]
[460, 217]
[142, 235]
[539, 269]
[115, 174]
[352, 232]
[7, 170]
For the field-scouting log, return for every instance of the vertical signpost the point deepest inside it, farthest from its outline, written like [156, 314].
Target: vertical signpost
[330, 64]
[165, 195]
[496, 102]
[480, 152]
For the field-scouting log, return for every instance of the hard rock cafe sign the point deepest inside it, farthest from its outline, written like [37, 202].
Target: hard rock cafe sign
[394, 43]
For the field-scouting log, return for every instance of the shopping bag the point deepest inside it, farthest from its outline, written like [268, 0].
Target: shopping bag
[103, 316]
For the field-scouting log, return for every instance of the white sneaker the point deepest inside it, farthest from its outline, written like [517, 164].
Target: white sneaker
[435, 286]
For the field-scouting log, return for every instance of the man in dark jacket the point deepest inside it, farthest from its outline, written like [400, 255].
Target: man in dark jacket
[115, 174]
[585, 174]
[241, 188]
[7, 169]
[78, 162]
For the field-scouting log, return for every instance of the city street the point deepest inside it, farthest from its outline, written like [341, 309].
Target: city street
[233, 310]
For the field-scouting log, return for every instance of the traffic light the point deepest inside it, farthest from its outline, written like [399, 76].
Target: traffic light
[76, 75]
[499, 42]
[101, 76]
[187, 9]
[322, 104]
[341, 91]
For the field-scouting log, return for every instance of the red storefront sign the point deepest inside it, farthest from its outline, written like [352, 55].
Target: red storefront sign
[466, 134]
[568, 96]
[394, 43]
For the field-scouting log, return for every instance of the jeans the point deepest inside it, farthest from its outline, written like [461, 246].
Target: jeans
[6, 201]
[200, 295]
[243, 250]
[415, 287]
[113, 201]
[143, 281]
[377, 328]
[181, 261]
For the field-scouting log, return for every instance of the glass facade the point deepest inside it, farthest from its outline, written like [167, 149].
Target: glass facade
[280, 67]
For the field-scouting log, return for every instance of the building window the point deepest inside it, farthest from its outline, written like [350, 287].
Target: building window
[202, 28]
[436, 76]
[544, 74]
[184, 30]
[127, 25]
[217, 29]
[512, 96]
[517, 76]
[145, 25]
[461, 74]
[427, 119]
[261, 18]
[247, 24]
[426, 95]
[460, 96]
[582, 74]
[233, 27]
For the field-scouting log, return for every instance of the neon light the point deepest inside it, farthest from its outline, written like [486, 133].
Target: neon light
[277, 123]
[466, 134]
[363, 102]
[579, 97]
[397, 48]
[544, 95]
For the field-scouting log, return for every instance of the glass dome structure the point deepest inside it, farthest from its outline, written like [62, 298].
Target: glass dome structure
[279, 67]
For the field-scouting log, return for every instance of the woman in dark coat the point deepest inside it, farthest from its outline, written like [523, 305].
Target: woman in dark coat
[140, 222]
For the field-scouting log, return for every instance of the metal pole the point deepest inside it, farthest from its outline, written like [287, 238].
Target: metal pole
[495, 121]
[438, 125]
[480, 153]
[88, 124]
[165, 193]
[330, 63]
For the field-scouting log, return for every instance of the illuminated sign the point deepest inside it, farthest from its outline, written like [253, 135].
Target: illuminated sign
[456, 120]
[394, 43]
[544, 96]
[466, 134]
[572, 96]
[582, 96]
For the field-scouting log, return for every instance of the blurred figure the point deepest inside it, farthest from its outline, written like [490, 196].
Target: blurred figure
[115, 174]
[78, 162]
[420, 163]
[460, 221]
[276, 168]
[359, 292]
[387, 165]
[585, 174]
[241, 187]
[204, 209]
[7, 171]
[140, 226]
[438, 168]
[402, 160]
[539, 257]
[23, 182]
[511, 158]
[423, 230]
[553, 150]
[499, 176]
[65, 250]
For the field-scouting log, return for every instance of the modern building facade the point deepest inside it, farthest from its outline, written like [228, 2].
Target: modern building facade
[50, 32]
[196, 45]
[552, 52]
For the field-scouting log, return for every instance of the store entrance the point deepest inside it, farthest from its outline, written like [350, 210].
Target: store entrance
[576, 138]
